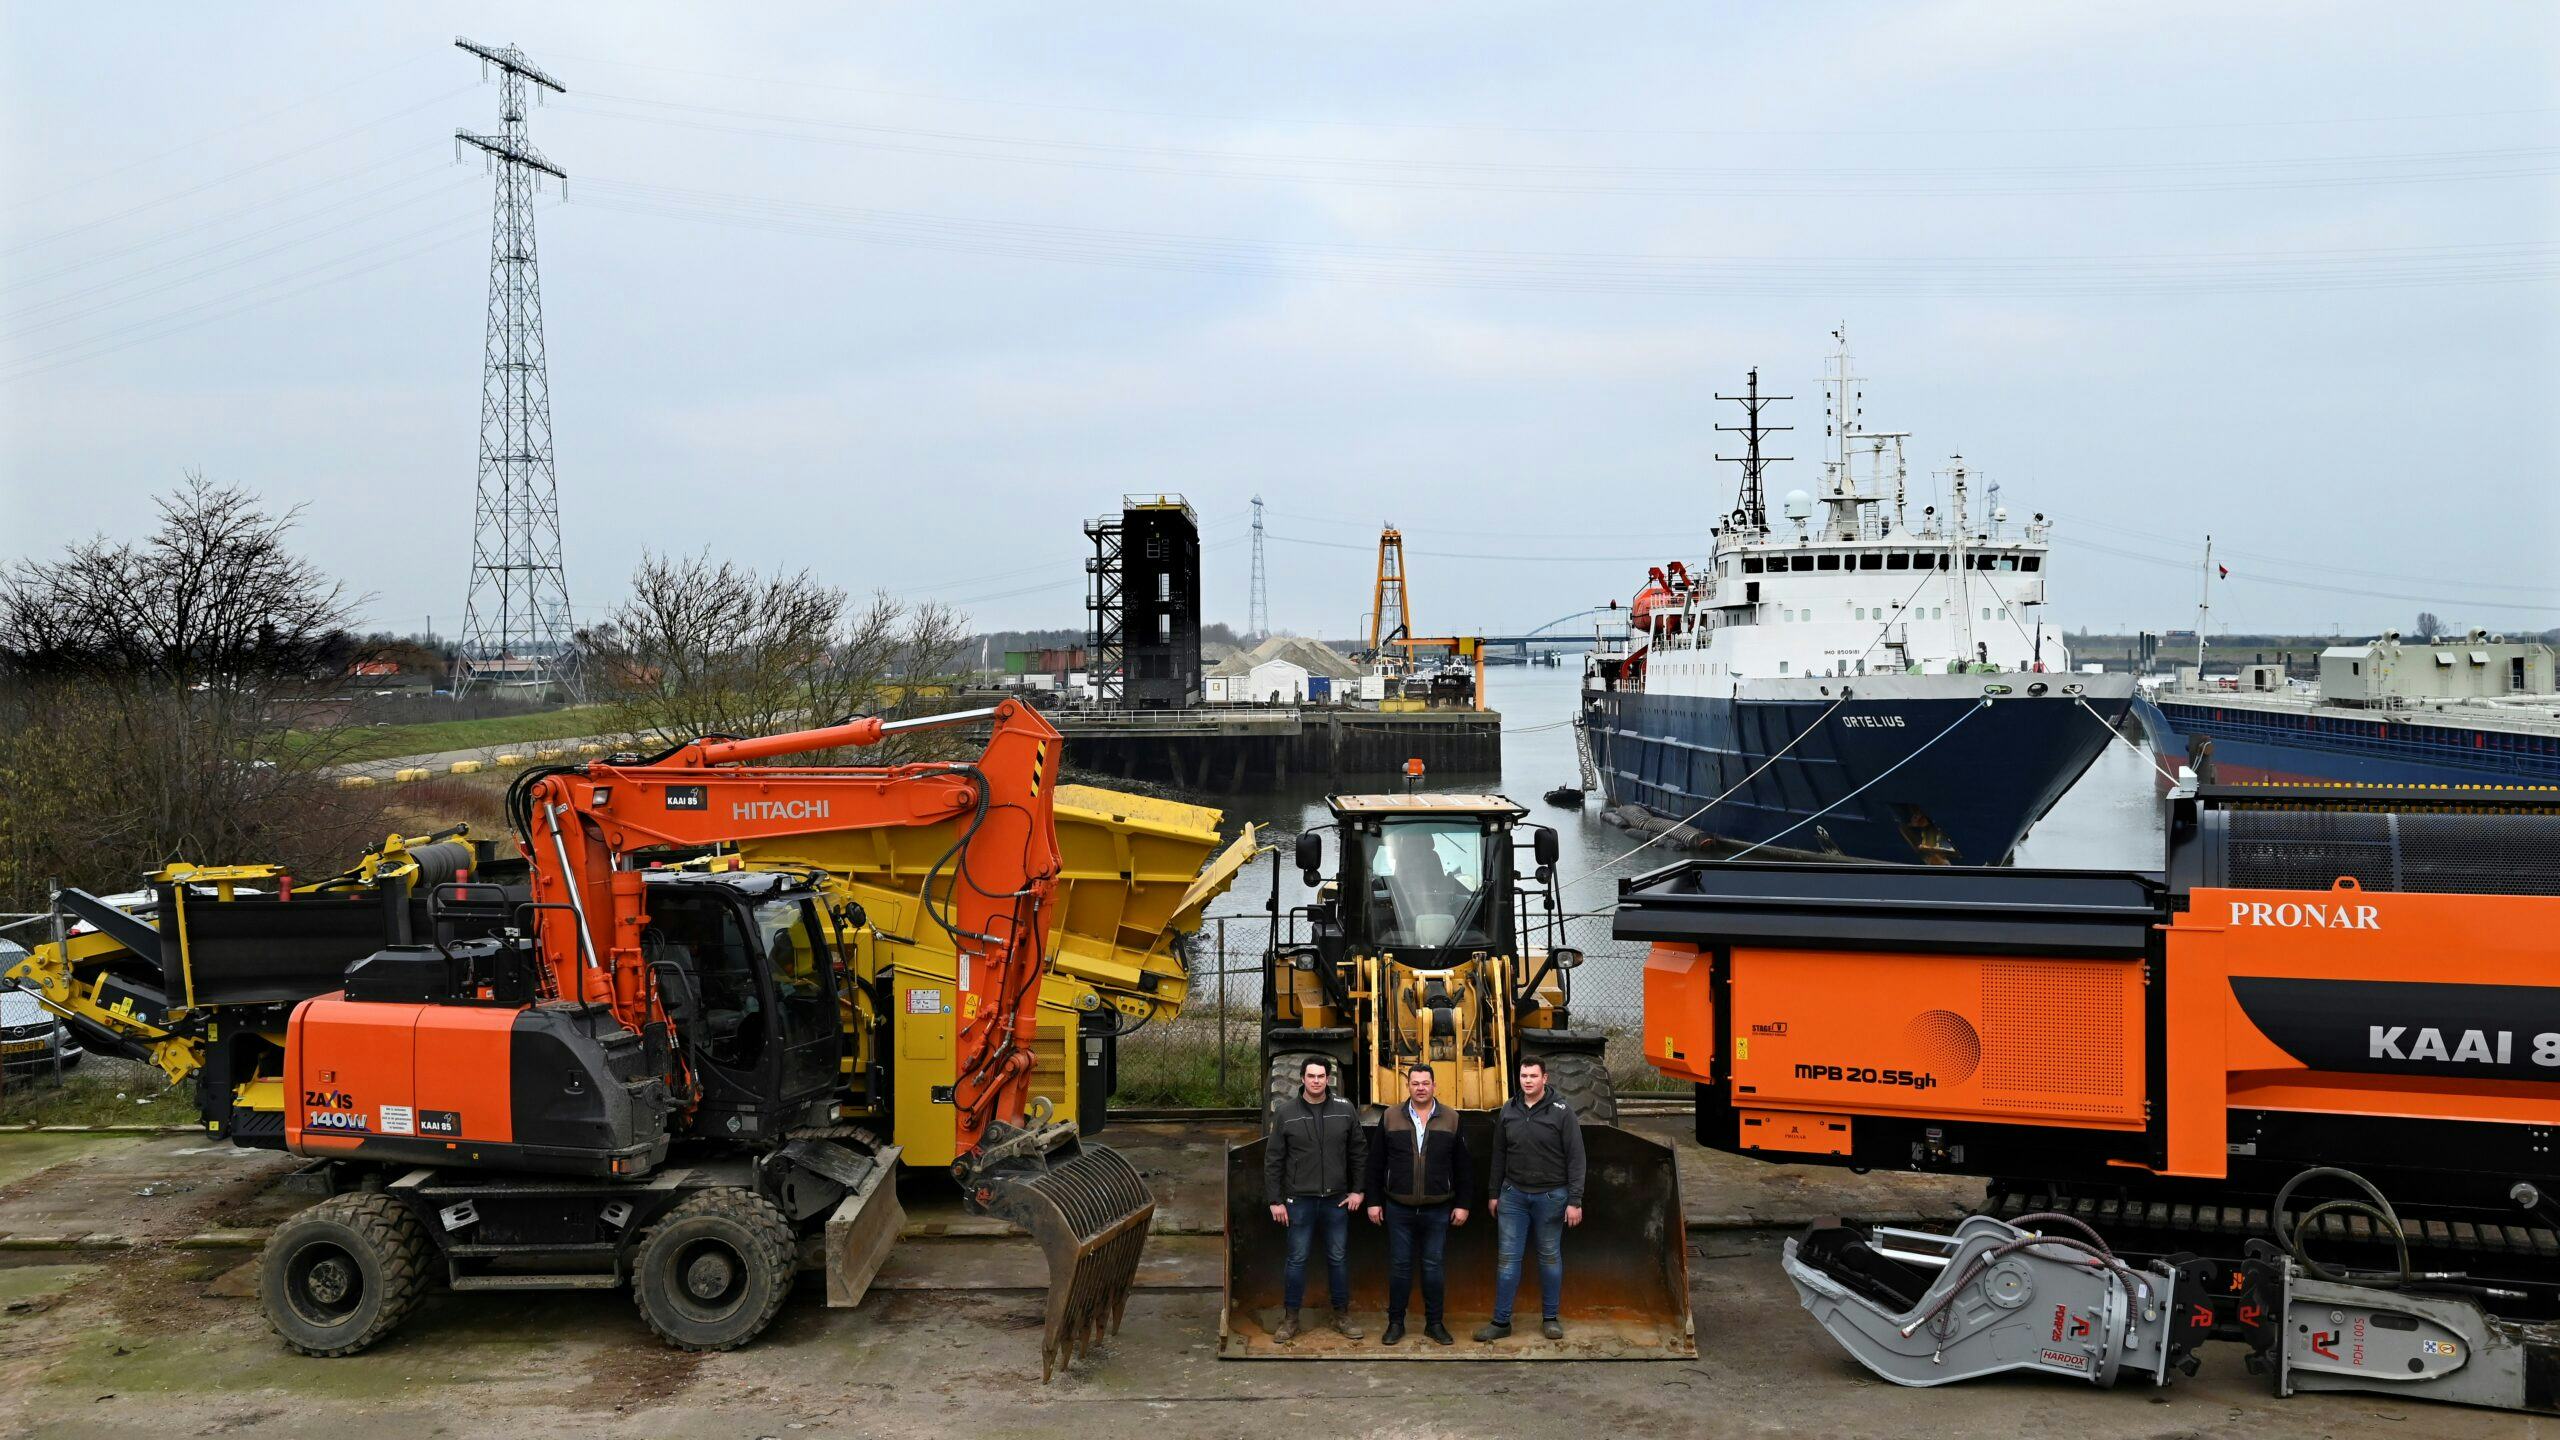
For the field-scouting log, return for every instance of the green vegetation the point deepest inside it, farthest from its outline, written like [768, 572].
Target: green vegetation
[396, 740]
[96, 1094]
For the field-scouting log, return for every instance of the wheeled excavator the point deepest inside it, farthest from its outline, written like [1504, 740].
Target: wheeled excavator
[621, 1070]
[1431, 944]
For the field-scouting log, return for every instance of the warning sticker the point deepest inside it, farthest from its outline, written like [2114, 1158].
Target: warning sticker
[396, 1120]
[926, 1002]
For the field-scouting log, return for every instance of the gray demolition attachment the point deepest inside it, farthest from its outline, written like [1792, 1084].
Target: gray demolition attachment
[2004, 1298]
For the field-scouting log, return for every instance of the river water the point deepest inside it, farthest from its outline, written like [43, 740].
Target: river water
[2109, 820]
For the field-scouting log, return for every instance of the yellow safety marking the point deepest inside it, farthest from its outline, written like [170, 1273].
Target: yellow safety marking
[1039, 763]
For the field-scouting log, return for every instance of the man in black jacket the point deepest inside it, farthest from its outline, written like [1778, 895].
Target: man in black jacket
[1312, 1170]
[1420, 1184]
[1537, 1186]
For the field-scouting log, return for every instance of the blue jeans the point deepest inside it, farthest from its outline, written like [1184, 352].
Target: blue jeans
[1522, 1210]
[1306, 1217]
[1411, 1228]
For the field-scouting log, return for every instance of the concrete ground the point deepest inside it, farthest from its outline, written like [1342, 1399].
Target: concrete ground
[124, 1308]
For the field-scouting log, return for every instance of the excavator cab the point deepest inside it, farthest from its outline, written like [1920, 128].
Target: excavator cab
[745, 974]
[1431, 944]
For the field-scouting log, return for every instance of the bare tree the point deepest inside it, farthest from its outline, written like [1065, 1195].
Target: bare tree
[704, 648]
[2428, 625]
[176, 698]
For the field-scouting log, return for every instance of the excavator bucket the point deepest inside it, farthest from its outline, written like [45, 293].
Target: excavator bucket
[1626, 1267]
[1089, 1211]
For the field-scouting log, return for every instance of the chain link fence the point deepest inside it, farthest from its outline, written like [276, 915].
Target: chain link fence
[1212, 1054]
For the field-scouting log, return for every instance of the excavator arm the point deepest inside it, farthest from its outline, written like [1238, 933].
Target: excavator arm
[583, 827]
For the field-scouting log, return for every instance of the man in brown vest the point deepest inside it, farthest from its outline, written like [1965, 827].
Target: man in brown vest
[1424, 1183]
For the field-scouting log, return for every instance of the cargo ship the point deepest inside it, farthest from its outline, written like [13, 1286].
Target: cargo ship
[2476, 709]
[1847, 679]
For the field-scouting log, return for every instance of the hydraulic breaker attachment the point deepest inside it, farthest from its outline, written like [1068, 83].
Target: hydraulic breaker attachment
[2383, 1341]
[1922, 1309]
[1626, 1267]
[1087, 1209]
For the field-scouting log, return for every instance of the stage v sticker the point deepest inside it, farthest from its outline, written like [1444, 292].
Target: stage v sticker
[2505, 1032]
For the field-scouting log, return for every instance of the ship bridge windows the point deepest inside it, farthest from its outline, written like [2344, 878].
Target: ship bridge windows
[1750, 564]
[1898, 560]
[2030, 563]
[1872, 560]
[1800, 562]
[1826, 562]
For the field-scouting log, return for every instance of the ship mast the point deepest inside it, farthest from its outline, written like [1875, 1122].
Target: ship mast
[1962, 590]
[1840, 499]
[2204, 604]
[1752, 512]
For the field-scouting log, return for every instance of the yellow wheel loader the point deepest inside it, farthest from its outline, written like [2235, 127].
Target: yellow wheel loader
[1429, 945]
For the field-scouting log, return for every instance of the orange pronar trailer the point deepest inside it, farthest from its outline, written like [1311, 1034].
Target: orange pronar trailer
[2360, 977]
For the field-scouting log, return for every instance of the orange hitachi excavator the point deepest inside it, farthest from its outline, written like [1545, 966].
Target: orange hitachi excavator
[626, 1072]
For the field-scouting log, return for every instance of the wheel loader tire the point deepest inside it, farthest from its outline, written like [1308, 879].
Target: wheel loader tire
[340, 1275]
[714, 1270]
[1582, 1081]
[1285, 1080]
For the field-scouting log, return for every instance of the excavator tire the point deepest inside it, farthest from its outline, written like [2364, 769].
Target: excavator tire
[1284, 1080]
[1581, 1080]
[714, 1270]
[340, 1275]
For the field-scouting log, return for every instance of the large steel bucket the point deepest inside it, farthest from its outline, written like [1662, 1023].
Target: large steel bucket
[1087, 1209]
[1626, 1268]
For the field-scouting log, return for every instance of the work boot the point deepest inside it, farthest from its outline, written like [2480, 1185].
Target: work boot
[1439, 1334]
[1492, 1332]
[1552, 1329]
[1395, 1332]
[1288, 1330]
[1343, 1327]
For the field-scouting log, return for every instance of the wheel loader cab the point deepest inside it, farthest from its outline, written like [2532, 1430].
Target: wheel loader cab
[745, 974]
[1414, 951]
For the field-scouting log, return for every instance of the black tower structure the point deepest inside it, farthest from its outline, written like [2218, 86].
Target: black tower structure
[516, 627]
[1145, 604]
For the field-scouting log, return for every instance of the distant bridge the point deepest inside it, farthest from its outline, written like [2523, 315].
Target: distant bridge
[1545, 637]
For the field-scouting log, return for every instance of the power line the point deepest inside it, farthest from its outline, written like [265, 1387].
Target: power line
[1016, 102]
[222, 180]
[2315, 172]
[1566, 272]
[94, 176]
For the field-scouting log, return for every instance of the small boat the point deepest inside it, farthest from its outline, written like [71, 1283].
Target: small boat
[1565, 797]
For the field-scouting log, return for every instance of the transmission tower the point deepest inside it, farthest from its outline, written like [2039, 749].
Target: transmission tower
[1258, 609]
[516, 624]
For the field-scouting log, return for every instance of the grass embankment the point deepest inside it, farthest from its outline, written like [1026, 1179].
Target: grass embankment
[394, 740]
[100, 1091]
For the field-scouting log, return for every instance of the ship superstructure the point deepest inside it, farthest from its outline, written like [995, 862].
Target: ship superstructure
[1859, 675]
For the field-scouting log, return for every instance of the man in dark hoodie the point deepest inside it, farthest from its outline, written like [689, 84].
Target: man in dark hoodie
[1420, 1184]
[1537, 1187]
[1312, 1169]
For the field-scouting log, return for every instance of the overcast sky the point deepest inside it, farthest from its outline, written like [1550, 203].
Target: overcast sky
[903, 295]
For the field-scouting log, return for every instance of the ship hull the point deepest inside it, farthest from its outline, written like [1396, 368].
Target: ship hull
[1856, 783]
[2252, 746]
